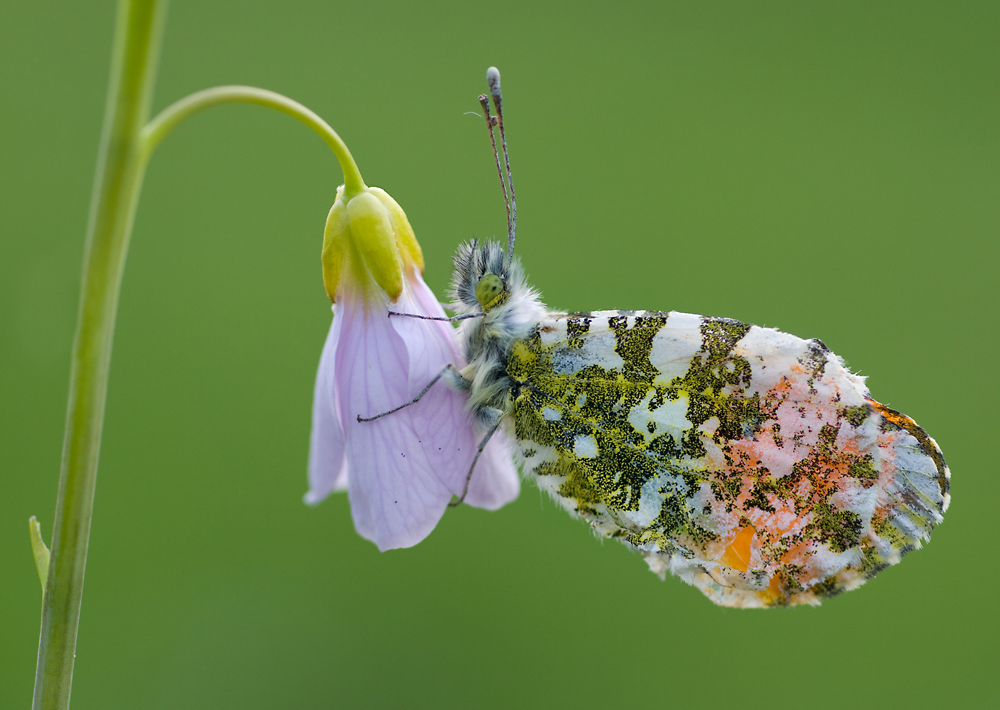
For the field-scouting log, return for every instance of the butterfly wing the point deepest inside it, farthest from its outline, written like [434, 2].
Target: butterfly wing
[749, 462]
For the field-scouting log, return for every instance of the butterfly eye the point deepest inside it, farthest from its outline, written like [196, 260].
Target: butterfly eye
[488, 290]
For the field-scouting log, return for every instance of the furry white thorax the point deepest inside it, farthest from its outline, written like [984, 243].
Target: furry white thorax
[487, 340]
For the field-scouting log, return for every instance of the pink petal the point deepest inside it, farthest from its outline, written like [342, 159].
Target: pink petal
[406, 466]
[396, 494]
[495, 482]
[327, 462]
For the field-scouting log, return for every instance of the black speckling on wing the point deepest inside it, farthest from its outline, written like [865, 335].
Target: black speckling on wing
[747, 461]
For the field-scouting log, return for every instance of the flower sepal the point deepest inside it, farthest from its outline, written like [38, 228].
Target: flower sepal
[368, 243]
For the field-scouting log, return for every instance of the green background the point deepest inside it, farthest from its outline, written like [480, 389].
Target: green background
[832, 169]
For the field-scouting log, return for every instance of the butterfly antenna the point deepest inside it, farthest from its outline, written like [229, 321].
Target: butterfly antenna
[491, 121]
[493, 79]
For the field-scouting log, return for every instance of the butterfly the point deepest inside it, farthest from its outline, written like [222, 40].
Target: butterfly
[748, 462]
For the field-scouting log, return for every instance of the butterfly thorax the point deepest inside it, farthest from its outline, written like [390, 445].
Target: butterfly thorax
[486, 282]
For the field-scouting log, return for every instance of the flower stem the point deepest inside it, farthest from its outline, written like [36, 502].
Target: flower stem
[127, 142]
[167, 119]
[112, 208]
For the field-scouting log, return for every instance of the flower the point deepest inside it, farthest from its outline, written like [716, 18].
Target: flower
[400, 471]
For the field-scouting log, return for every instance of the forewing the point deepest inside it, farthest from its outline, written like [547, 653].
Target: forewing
[749, 462]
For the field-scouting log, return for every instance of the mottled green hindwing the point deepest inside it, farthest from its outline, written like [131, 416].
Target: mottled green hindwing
[749, 462]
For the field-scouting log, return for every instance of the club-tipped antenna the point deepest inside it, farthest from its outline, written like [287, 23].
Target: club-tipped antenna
[493, 79]
[491, 121]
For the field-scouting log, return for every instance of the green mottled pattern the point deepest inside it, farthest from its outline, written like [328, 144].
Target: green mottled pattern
[670, 432]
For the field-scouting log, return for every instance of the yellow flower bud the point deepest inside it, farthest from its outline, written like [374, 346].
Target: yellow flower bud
[368, 238]
[406, 240]
[335, 237]
[372, 234]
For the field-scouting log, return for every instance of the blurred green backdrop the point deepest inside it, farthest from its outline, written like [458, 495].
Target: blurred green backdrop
[849, 151]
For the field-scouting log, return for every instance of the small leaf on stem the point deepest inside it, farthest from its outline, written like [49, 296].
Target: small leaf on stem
[39, 549]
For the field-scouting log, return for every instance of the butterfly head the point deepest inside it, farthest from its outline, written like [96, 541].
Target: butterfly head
[489, 291]
[482, 279]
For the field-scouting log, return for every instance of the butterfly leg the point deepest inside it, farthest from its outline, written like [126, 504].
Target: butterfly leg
[479, 451]
[453, 319]
[455, 379]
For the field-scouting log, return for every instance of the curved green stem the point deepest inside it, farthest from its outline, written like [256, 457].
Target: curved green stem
[127, 142]
[167, 119]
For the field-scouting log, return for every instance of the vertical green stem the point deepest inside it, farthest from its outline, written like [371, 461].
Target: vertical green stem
[127, 142]
[116, 190]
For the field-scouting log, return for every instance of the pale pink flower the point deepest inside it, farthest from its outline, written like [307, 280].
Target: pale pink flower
[400, 471]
